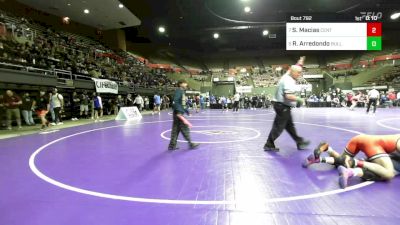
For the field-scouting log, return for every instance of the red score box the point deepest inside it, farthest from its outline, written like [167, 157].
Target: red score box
[374, 29]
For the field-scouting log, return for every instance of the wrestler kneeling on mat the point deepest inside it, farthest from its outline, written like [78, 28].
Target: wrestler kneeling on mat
[381, 164]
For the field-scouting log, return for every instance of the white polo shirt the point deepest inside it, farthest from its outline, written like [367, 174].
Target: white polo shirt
[236, 97]
[56, 100]
[286, 85]
[373, 93]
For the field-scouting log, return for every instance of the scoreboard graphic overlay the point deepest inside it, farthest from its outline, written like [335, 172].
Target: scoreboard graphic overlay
[333, 32]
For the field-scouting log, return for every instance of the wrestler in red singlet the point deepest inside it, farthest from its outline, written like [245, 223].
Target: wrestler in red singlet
[373, 146]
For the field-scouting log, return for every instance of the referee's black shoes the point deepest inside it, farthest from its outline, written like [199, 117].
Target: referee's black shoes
[172, 148]
[303, 145]
[194, 146]
[270, 148]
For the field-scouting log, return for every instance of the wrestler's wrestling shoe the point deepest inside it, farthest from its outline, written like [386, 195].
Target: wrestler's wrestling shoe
[344, 176]
[322, 147]
[310, 160]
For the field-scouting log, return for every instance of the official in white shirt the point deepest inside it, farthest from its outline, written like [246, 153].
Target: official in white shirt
[373, 96]
[285, 99]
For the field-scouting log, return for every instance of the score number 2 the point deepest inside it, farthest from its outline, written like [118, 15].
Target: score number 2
[374, 29]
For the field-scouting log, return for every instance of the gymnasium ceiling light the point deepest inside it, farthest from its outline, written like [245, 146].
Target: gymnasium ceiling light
[161, 29]
[395, 16]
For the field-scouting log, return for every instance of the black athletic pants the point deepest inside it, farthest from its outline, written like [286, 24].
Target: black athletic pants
[283, 121]
[177, 127]
[372, 101]
[57, 113]
[236, 106]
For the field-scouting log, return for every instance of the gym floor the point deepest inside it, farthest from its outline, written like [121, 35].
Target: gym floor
[121, 173]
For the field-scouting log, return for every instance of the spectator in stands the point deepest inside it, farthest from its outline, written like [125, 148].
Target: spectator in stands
[269, 101]
[303, 93]
[310, 100]
[328, 100]
[75, 106]
[58, 106]
[202, 102]
[42, 106]
[247, 102]
[12, 103]
[392, 98]
[213, 100]
[229, 101]
[157, 104]
[362, 102]
[263, 102]
[49, 50]
[189, 103]
[336, 102]
[139, 103]
[355, 100]
[166, 102]
[254, 101]
[119, 103]
[349, 97]
[113, 106]
[2, 112]
[98, 107]
[146, 103]
[236, 99]
[224, 103]
[129, 100]
[340, 95]
[106, 107]
[260, 102]
[383, 99]
[91, 105]
[196, 103]
[398, 98]
[27, 109]
[52, 115]
[84, 105]
[241, 102]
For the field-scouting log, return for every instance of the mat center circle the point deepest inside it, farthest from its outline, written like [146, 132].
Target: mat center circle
[215, 134]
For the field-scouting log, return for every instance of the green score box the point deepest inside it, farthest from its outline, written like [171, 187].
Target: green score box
[374, 43]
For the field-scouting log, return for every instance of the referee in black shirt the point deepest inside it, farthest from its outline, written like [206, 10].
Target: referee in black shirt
[285, 99]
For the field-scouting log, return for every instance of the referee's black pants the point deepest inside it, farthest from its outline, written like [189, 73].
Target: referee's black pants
[283, 121]
[177, 127]
[372, 101]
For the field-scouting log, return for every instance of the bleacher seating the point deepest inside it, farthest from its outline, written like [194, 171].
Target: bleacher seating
[29, 44]
[268, 79]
